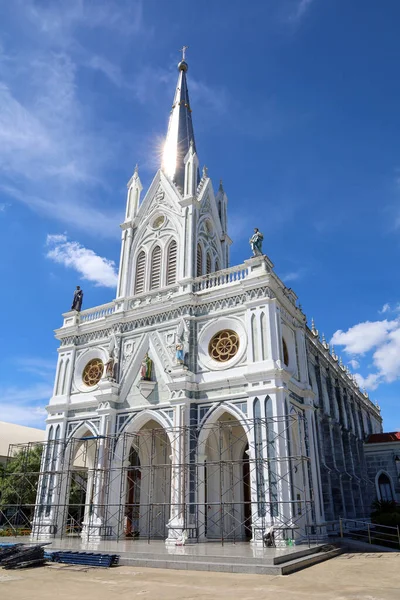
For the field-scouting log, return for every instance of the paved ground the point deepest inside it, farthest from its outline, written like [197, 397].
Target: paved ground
[347, 577]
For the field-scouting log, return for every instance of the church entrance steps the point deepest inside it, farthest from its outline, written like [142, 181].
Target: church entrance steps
[228, 558]
[281, 564]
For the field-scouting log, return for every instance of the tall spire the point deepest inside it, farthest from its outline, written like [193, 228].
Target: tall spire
[180, 129]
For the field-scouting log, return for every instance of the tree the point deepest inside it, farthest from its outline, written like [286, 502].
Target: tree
[19, 477]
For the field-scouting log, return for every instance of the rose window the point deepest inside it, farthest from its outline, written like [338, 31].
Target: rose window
[224, 345]
[93, 372]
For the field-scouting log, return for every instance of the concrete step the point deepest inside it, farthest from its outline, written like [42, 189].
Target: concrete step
[187, 556]
[227, 558]
[308, 561]
[184, 565]
[224, 566]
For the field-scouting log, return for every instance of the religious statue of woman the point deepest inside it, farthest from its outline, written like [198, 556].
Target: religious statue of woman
[110, 367]
[77, 301]
[146, 368]
[179, 353]
[256, 242]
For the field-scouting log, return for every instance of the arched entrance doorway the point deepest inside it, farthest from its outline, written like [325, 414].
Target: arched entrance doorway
[81, 484]
[227, 489]
[148, 483]
[132, 509]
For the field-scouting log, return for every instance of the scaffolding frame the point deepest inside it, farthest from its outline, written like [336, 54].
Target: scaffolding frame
[222, 481]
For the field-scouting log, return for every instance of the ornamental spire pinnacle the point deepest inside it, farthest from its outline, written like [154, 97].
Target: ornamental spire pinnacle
[180, 136]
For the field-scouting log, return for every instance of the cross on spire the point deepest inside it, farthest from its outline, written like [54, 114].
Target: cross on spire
[183, 50]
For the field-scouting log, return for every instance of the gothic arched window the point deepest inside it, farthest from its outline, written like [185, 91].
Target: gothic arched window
[385, 488]
[140, 272]
[155, 269]
[285, 353]
[208, 264]
[199, 270]
[171, 262]
[217, 265]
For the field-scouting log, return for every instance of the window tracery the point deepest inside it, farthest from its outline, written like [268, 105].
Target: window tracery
[224, 345]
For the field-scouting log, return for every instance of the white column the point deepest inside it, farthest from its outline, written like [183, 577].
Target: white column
[176, 522]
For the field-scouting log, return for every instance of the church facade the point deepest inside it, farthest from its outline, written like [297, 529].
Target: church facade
[198, 405]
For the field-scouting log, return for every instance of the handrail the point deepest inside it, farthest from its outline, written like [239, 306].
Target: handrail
[374, 532]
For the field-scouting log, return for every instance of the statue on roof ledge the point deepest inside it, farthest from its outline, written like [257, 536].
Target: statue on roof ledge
[256, 242]
[77, 301]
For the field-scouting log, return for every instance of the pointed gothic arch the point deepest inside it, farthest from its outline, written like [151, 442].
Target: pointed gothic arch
[208, 264]
[223, 452]
[171, 267]
[384, 487]
[140, 272]
[155, 268]
[64, 381]
[285, 353]
[199, 255]
[60, 368]
[148, 442]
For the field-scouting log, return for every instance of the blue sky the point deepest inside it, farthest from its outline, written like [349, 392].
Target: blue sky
[295, 106]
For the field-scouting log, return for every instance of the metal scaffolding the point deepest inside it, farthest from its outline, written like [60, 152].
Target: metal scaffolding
[222, 481]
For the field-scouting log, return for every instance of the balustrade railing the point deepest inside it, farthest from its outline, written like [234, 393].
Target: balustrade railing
[98, 312]
[220, 278]
[200, 284]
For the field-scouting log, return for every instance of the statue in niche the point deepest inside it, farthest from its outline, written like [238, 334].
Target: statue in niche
[77, 301]
[182, 342]
[146, 368]
[180, 354]
[256, 241]
[110, 366]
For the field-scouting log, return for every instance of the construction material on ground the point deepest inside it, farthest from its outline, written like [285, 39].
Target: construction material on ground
[84, 558]
[20, 556]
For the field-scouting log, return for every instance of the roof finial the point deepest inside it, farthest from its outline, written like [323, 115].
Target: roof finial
[221, 185]
[183, 66]
[313, 330]
[183, 50]
[136, 169]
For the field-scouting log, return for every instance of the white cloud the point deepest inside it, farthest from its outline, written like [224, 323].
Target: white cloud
[371, 382]
[25, 405]
[363, 337]
[52, 150]
[72, 212]
[354, 363]
[293, 275]
[109, 69]
[382, 338]
[299, 10]
[387, 356]
[88, 264]
[41, 367]
[385, 308]
[58, 19]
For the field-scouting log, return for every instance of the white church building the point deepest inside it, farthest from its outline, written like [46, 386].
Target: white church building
[198, 405]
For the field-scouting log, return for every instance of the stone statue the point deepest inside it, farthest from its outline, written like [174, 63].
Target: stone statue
[77, 301]
[146, 368]
[256, 242]
[179, 351]
[110, 365]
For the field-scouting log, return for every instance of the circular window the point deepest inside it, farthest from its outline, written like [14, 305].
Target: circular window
[224, 345]
[93, 372]
[158, 221]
